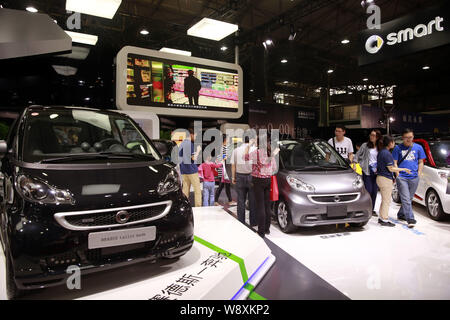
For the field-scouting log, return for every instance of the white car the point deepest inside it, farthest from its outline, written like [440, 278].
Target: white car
[434, 186]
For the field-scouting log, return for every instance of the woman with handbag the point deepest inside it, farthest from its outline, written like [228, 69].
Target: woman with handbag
[385, 179]
[367, 158]
[263, 168]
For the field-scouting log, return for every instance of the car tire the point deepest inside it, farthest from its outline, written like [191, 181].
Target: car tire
[358, 225]
[284, 217]
[434, 206]
[395, 195]
[11, 288]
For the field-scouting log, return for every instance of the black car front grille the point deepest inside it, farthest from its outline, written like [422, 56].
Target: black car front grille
[99, 219]
[335, 198]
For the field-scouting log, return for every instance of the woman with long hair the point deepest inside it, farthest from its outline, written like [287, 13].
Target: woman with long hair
[385, 179]
[263, 167]
[367, 158]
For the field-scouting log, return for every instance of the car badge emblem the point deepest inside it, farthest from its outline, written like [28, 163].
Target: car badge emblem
[337, 199]
[122, 217]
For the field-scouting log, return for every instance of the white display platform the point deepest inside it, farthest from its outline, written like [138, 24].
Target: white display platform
[202, 273]
[377, 262]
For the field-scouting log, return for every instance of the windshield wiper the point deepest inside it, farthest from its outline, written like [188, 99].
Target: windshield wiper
[333, 166]
[74, 158]
[101, 155]
[129, 155]
[306, 168]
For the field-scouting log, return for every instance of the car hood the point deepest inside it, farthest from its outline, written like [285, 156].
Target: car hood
[327, 182]
[107, 187]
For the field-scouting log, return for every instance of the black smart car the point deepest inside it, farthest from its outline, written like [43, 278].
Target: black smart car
[85, 187]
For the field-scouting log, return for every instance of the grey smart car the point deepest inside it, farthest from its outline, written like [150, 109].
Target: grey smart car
[318, 187]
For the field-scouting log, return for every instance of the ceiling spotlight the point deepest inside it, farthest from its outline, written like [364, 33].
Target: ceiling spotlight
[365, 79]
[285, 82]
[223, 48]
[426, 68]
[251, 90]
[144, 32]
[284, 61]
[32, 9]
[330, 71]
[268, 42]
[345, 41]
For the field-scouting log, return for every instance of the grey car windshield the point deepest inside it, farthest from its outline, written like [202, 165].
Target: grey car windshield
[310, 154]
[82, 134]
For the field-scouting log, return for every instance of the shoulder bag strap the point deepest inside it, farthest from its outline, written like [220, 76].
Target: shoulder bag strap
[404, 157]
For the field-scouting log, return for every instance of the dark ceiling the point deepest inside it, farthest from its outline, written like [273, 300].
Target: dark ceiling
[320, 27]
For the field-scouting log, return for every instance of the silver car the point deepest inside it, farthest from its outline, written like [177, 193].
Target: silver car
[318, 187]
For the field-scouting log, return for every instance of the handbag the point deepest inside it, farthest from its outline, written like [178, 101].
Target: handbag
[274, 194]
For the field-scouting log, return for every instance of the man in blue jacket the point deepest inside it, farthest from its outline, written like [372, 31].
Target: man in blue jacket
[408, 155]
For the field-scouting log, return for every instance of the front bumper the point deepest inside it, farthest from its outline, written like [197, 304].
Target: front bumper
[305, 213]
[42, 250]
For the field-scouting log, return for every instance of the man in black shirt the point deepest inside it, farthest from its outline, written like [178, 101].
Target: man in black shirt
[192, 88]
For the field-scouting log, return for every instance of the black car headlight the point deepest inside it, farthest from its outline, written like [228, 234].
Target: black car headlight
[169, 184]
[38, 191]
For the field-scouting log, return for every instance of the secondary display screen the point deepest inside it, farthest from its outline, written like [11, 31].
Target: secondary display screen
[180, 85]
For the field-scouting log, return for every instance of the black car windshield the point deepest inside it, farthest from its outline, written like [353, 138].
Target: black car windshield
[310, 155]
[69, 135]
[441, 153]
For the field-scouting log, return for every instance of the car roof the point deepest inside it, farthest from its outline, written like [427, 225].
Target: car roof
[60, 108]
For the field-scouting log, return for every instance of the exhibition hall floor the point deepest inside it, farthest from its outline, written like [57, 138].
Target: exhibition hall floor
[370, 263]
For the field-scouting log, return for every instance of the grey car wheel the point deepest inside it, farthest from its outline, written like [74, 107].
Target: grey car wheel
[284, 218]
[395, 195]
[434, 206]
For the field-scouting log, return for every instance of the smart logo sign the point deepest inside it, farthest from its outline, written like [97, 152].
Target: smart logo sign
[413, 33]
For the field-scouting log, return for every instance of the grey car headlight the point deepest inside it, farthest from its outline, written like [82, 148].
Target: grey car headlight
[299, 185]
[38, 191]
[169, 184]
[358, 183]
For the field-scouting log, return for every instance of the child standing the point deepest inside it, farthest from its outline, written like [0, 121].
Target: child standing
[208, 181]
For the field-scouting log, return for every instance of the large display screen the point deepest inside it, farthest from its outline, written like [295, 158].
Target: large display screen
[180, 86]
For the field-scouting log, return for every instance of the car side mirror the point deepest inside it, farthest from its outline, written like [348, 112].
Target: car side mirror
[3, 148]
[161, 147]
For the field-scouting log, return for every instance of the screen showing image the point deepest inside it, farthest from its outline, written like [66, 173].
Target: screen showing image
[171, 84]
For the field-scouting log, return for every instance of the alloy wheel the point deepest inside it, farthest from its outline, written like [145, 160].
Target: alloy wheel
[282, 214]
[433, 205]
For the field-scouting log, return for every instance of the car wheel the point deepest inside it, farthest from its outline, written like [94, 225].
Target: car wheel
[434, 206]
[284, 218]
[11, 288]
[395, 195]
[358, 225]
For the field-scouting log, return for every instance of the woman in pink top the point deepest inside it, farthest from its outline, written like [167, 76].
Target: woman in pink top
[263, 167]
[208, 181]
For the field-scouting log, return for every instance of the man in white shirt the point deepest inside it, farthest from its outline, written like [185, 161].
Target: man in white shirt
[342, 144]
[241, 177]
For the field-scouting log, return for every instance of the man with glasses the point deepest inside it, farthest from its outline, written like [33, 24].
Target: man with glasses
[342, 144]
[408, 155]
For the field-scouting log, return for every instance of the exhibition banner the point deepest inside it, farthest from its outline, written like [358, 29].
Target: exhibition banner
[425, 29]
